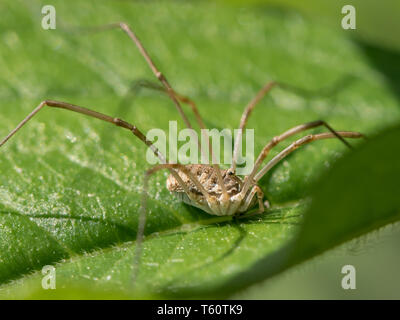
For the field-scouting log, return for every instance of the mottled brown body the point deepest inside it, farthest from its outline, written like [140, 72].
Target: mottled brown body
[207, 177]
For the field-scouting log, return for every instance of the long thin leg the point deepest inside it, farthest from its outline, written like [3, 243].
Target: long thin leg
[245, 116]
[252, 104]
[67, 106]
[98, 115]
[184, 99]
[200, 122]
[249, 180]
[123, 26]
[143, 209]
[165, 83]
[255, 191]
[135, 131]
[146, 56]
[299, 143]
[172, 94]
[181, 98]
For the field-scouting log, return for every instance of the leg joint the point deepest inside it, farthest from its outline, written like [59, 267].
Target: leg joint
[51, 103]
[121, 123]
[304, 140]
[160, 76]
[274, 141]
[124, 26]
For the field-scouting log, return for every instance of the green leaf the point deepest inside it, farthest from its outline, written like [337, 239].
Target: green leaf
[357, 196]
[70, 187]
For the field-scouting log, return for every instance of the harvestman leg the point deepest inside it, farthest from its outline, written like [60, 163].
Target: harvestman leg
[181, 98]
[137, 133]
[249, 180]
[143, 208]
[255, 191]
[200, 122]
[171, 93]
[167, 86]
[118, 122]
[245, 116]
[249, 109]
[299, 143]
[64, 105]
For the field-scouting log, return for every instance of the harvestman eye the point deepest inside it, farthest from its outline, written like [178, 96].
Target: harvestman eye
[208, 187]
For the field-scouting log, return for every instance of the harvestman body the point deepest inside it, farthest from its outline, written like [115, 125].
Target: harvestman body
[215, 191]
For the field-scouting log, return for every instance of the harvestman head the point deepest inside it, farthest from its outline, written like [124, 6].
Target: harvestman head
[208, 187]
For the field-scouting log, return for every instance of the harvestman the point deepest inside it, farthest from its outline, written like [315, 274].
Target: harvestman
[215, 191]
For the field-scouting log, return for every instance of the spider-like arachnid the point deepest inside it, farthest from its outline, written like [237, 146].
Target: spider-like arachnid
[215, 191]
